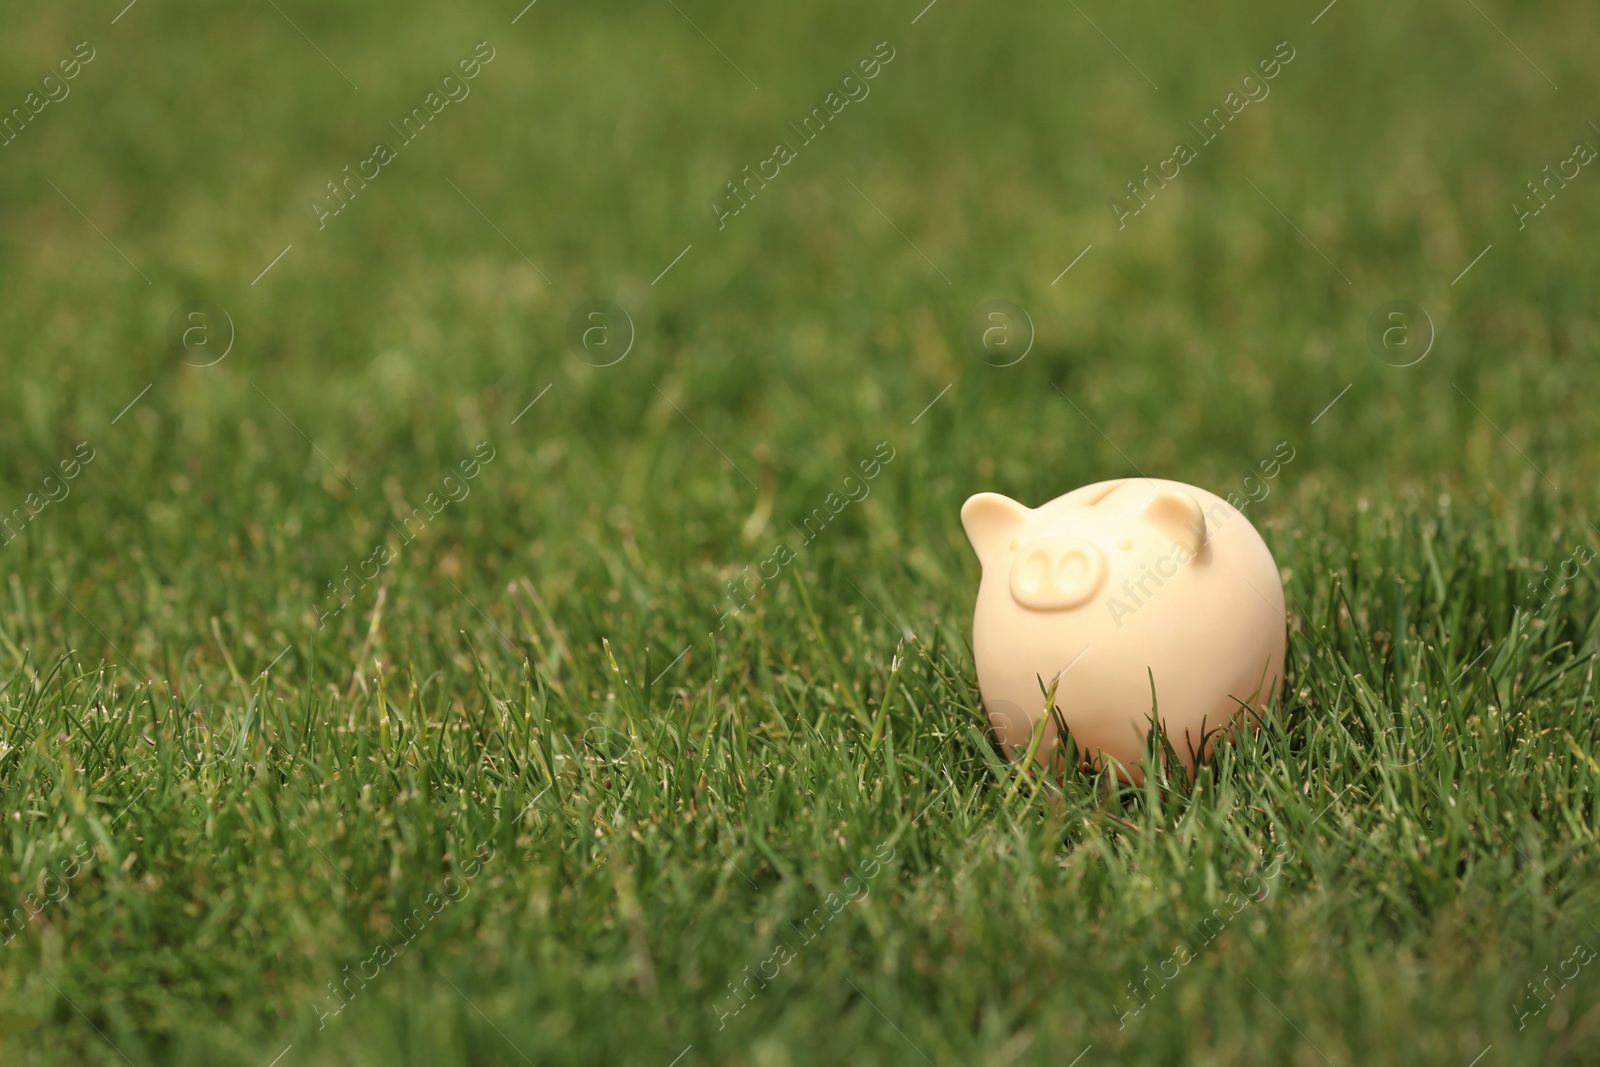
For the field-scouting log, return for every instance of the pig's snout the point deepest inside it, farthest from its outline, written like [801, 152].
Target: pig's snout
[1055, 573]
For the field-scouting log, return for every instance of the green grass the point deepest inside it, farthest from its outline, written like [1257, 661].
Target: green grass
[232, 805]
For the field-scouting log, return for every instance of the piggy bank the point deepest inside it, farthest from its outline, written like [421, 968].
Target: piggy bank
[1138, 599]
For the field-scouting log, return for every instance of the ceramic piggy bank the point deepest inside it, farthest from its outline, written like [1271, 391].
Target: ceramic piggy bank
[1137, 598]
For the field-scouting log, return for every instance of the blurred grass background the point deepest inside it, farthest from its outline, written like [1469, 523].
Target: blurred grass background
[141, 611]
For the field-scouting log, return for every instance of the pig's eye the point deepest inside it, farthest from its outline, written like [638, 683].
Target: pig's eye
[1125, 544]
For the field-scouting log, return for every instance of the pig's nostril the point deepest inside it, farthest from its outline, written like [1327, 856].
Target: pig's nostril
[1070, 571]
[1035, 572]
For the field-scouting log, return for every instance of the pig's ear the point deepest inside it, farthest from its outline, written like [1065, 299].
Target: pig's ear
[1178, 514]
[991, 520]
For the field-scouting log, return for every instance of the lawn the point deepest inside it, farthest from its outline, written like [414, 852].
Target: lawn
[479, 500]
